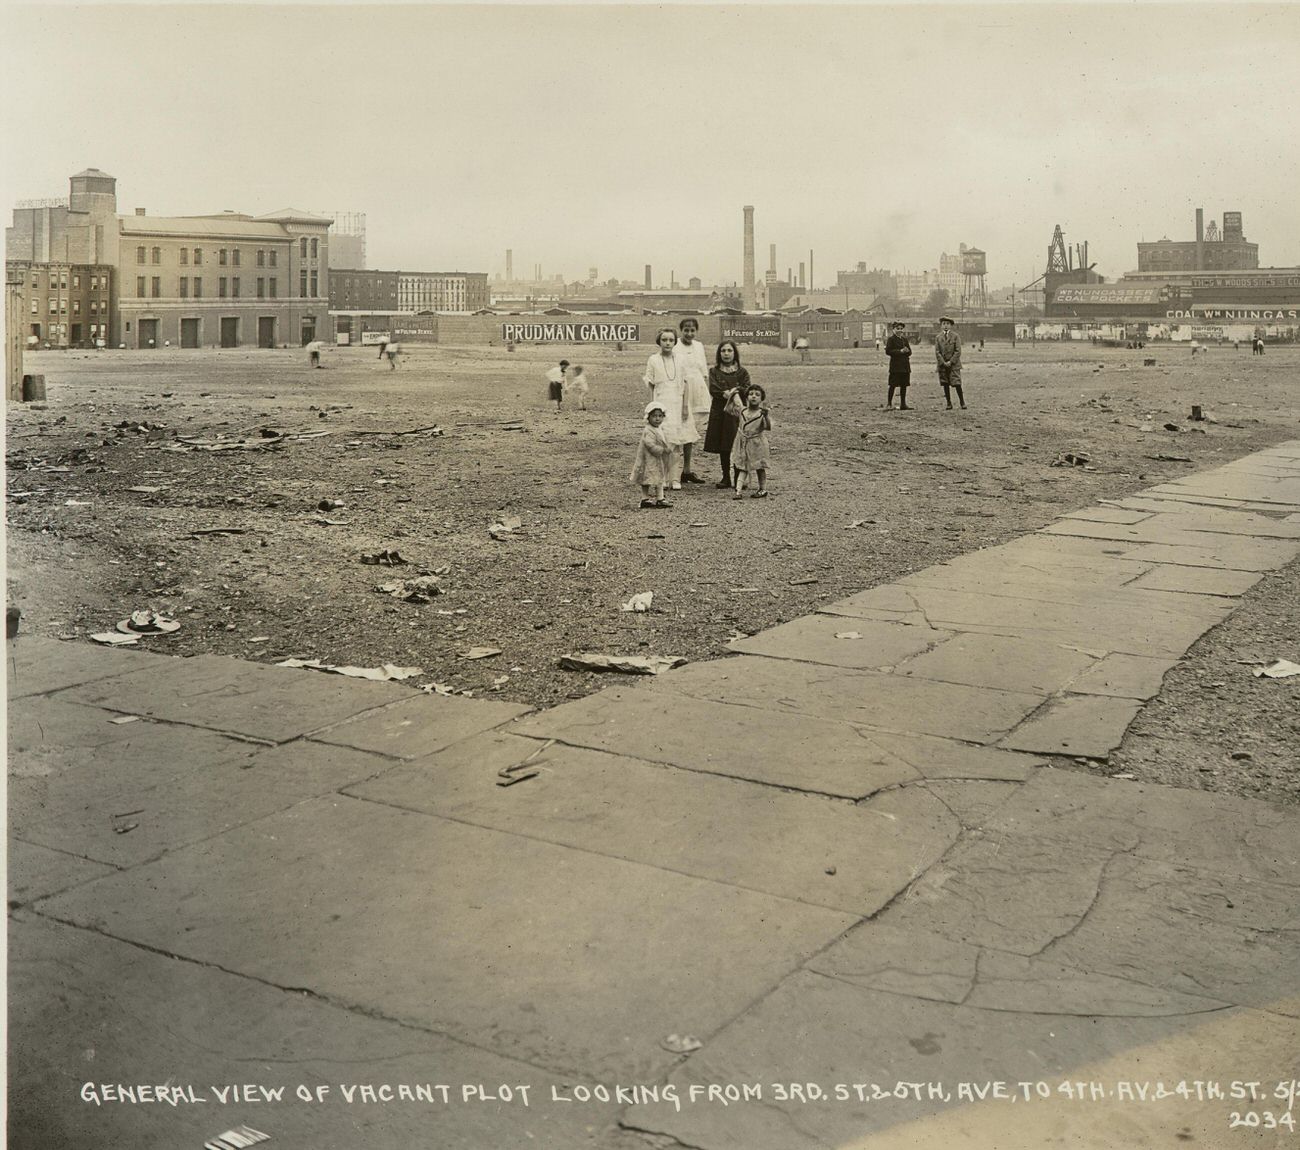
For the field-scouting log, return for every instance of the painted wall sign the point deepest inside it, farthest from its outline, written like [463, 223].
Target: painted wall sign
[1237, 314]
[570, 332]
[746, 329]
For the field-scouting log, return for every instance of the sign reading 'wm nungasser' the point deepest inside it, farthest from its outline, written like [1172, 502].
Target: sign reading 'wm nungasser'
[569, 332]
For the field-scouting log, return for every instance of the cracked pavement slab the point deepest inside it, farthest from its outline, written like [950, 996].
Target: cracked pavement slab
[250, 699]
[812, 638]
[466, 932]
[127, 1015]
[759, 838]
[806, 753]
[36, 666]
[824, 1031]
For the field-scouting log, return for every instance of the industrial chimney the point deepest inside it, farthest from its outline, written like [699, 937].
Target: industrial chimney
[647, 277]
[810, 269]
[1200, 239]
[510, 263]
[771, 259]
[751, 299]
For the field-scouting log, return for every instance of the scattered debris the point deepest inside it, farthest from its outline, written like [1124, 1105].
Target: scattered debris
[1196, 413]
[115, 639]
[325, 521]
[506, 526]
[481, 652]
[219, 531]
[626, 664]
[121, 719]
[639, 602]
[1124, 775]
[1282, 669]
[1073, 459]
[525, 768]
[147, 623]
[830, 870]
[803, 582]
[418, 590]
[1172, 427]
[681, 1043]
[330, 505]
[384, 558]
[857, 523]
[431, 430]
[1146, 362]
[145, 490]
[848, 634]
[1241, 755]
[236, 1139]
[385, 672]
[266, 440]
[12, 615]
[1166, 458]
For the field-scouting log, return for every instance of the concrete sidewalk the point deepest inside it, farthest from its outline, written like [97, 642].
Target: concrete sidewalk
[843, 860]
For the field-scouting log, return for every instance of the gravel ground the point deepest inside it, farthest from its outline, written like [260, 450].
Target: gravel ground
[860, 496]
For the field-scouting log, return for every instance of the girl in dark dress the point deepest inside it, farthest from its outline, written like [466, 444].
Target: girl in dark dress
[727, 381]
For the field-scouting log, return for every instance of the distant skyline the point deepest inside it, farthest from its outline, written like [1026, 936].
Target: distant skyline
[616, 136]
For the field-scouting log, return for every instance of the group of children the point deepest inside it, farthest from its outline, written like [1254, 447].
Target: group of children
[560, 383]
[683, 387]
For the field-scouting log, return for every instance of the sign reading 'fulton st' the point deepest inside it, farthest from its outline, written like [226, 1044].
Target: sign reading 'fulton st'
[752, 329]
[569, 332]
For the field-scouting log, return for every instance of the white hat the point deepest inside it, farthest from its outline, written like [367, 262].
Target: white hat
[655, 405]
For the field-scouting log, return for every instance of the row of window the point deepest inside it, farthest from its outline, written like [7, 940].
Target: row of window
[266, 257]
[192, 288]
[60, 307]
[60, 283]
[315, 250]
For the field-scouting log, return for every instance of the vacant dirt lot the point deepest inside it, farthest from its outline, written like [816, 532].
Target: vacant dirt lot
[105, 501]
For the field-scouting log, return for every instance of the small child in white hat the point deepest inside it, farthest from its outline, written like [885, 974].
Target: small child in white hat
[653, 457]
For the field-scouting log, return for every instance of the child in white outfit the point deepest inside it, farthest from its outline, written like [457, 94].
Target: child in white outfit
[653, 458]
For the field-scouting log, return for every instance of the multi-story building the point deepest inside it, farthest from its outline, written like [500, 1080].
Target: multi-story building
[348, 240]
[1215, 250]
[442, 291]
[63, 304]
[193, 281]
[860, 281]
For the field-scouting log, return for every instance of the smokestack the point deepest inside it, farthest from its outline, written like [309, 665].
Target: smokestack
[751, 300]
[810, 269]
[647, 277]
[510, 263]
[789, 276]
[802, 282]
[771, 258]
[1200, 239]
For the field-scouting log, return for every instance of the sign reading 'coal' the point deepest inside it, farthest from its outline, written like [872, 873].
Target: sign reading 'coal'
[569, 332]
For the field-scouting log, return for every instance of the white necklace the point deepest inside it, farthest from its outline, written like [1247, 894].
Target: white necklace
[668, 359]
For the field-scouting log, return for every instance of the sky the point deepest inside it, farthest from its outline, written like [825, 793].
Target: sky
[612, 136]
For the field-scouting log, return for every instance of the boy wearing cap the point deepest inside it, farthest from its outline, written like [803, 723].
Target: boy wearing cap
[947, 350]
[899, 351]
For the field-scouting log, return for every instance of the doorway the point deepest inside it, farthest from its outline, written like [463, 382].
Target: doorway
[229, 331]
[189, 333]
[266, 331]
[308, 329]
[146, 333]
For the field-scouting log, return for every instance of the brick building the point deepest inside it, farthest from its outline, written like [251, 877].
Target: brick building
[1215, 250]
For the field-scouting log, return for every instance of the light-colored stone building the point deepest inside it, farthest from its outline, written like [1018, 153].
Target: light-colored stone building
[224, 280]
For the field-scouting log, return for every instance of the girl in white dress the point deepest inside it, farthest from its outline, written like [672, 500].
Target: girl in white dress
[695, 362]
[665, 378]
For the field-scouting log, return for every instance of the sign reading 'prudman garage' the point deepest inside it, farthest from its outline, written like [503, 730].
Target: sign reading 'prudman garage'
[569, 332]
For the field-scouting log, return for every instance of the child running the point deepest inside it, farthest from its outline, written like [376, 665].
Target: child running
[653, 458]
[750, 450]
[578, 386]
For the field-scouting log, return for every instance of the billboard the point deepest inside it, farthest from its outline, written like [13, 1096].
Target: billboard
[1232, 226]
[972, 262]
[570, 332]
[1237, 314]
[752, 329]
[1094, 294]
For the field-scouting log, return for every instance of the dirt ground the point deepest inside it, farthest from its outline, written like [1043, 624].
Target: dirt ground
[104, 502]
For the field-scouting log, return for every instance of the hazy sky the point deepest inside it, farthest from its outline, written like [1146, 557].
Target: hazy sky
[615, 136]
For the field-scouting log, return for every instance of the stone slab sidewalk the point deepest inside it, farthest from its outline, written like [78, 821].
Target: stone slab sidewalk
[847, 858]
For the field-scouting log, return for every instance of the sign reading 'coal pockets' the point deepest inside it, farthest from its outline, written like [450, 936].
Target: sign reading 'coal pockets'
[569, 332]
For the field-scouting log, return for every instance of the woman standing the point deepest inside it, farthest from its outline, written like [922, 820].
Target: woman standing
[666, 380]
[695, 362]
[728, 381]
